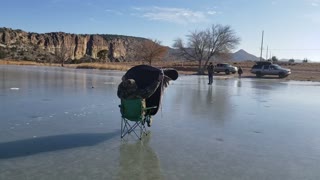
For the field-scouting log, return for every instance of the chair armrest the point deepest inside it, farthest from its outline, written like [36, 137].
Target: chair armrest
[147, 108]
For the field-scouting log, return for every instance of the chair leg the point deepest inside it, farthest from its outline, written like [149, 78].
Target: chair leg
[127, 128]
[124, 127]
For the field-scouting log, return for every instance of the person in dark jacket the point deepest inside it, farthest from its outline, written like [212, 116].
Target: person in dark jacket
[210, 72]
[240, 71]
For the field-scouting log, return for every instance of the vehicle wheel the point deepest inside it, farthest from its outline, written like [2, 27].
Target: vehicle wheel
[233, 72]
[227, 71]
[281, 75]
[258, 74]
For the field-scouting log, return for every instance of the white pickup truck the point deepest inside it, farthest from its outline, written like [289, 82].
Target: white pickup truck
[261, 69]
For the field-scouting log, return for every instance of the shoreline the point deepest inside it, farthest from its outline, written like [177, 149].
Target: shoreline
[309, 72]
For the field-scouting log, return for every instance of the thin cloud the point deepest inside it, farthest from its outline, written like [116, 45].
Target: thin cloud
[314, 3]
[313, 17]
[175, 15]
[113, 12]
[212, 12]
[137, 8]
[94, 20]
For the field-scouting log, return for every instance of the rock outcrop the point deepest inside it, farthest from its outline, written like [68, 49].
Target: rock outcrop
[77, 45]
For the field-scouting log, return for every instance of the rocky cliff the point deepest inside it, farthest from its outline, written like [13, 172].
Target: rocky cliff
[20, 44]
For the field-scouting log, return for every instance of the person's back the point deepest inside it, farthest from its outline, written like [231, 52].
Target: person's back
[240, 71]
[128, 89]
[210, 72]
[210, 68]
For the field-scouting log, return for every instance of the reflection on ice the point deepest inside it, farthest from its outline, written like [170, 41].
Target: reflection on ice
[138, 160]
[14, 88]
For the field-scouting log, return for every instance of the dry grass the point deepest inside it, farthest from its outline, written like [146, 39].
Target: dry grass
[26, 63]
[124, 66]
[17, 62]
[106, 66]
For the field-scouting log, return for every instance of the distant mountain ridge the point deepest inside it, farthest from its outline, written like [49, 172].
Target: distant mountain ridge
[242, 55]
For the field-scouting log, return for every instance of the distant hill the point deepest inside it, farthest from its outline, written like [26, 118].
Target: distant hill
[242, 55]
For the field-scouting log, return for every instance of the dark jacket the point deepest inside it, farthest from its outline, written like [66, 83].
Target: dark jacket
[128, 89]
[145, 76]
[210, 69]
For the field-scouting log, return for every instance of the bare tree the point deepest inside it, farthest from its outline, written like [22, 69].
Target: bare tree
[61, 53]
[102, 55]
[274, 59]
[150, 51]
[204, 45]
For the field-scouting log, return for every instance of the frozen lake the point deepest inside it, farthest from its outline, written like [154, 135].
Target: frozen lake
[59, 123]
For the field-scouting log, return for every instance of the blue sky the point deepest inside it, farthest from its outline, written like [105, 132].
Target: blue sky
[291, 27]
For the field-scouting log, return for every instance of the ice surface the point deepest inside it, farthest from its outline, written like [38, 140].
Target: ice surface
[58, 127]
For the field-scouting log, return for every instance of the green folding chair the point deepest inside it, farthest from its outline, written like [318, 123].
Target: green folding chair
[134, 115]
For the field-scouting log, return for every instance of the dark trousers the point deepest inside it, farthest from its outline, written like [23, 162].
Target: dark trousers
[210, 75]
